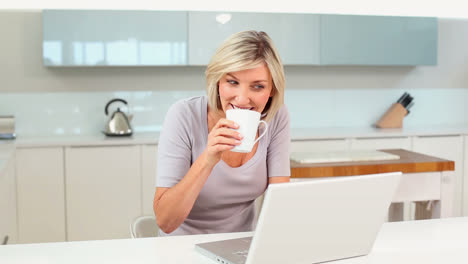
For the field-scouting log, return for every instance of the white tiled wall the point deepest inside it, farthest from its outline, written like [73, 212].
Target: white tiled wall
[69, 113]
[363, 107]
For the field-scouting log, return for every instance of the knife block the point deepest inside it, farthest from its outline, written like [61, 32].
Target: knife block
[393, 118]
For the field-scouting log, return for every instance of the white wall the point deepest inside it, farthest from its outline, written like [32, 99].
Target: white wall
[446, 8]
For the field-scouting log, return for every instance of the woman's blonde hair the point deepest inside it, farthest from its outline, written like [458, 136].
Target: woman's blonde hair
[242, 51]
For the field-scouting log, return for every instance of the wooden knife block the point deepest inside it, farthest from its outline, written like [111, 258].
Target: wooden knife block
[393, 118]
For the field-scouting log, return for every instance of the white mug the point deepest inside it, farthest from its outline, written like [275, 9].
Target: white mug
[248, 122]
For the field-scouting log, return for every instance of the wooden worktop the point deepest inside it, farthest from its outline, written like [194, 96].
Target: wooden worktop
[409, 162]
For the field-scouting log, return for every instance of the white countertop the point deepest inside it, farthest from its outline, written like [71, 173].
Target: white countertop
[297, 134]
[372, 132]
[86, 140]
[425, 241]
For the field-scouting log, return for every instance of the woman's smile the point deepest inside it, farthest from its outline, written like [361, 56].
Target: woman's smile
[241, 107]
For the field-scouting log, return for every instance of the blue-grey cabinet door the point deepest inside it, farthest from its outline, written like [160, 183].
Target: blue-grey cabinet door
[114, 38]
[294, 35]
[378, 40]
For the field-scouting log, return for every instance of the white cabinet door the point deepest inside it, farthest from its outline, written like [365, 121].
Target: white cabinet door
[381, 143]
[40, 186]
[446, 147]
[149, 155]
[8, 227]
[103, 191]
[465, 179]
[320, 145]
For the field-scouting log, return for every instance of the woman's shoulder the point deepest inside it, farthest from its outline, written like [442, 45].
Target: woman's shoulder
[281, 116]
[280, 123]
[187, 114]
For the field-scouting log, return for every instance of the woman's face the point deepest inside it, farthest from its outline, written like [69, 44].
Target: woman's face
[247, 89]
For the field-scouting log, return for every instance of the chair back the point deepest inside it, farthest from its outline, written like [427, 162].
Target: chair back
[144, 226]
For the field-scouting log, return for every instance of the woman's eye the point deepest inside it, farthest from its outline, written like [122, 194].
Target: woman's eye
[259, 86]
[231, 81]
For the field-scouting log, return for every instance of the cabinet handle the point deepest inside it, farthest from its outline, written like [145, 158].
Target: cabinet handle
[5, 240]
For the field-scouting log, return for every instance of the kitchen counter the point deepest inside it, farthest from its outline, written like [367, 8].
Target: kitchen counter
[425, 178]
[86, 140]
[426, 241]
[297, 134]
[372, 132]
[409, 162]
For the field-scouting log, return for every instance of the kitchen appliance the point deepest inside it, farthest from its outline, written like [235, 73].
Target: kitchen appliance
[393, 118]
[7, 127]
[119, 122]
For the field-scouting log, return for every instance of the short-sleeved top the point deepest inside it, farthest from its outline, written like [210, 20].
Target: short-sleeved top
[226, 201]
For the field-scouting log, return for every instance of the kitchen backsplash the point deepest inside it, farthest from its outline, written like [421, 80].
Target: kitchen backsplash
[82, 113]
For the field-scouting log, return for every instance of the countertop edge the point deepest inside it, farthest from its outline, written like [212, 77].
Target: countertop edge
[297, 134]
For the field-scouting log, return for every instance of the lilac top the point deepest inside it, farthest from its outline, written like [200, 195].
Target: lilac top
[226, 201]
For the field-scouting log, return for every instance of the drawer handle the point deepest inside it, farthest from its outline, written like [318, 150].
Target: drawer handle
[5, 240]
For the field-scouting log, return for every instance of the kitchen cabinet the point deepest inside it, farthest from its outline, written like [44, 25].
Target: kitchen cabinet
[295, 35]
[377, 40]
[8, 220]
[446, 147]
[465, 178]
[161, 38]
[149, 156]
[114, 38]
[94, 192]
[40, 195]
[320, 145]
[103, 191]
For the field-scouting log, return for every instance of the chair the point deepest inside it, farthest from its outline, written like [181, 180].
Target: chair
[144, 226]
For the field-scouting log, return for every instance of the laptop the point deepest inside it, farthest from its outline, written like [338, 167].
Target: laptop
[313, 221]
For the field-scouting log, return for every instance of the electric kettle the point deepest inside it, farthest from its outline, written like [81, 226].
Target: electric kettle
[119, 122]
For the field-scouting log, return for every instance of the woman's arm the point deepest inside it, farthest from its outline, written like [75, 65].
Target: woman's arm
[172, 205]
[278, 179]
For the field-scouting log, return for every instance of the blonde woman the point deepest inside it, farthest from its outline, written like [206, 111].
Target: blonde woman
[203, 187]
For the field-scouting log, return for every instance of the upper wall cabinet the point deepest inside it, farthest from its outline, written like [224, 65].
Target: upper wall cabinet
[294, 35]
[377, 40]
[161, 38]
[114, 38]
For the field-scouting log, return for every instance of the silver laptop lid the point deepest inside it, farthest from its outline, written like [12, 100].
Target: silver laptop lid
[321, 220]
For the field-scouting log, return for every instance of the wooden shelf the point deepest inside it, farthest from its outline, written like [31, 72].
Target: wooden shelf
[409, 162]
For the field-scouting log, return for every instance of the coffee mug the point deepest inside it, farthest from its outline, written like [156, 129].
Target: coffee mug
[248, 122]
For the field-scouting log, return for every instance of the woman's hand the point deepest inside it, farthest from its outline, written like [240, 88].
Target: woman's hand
[221, 138]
